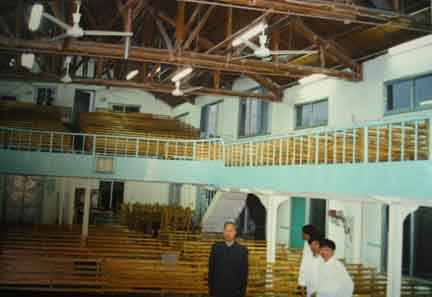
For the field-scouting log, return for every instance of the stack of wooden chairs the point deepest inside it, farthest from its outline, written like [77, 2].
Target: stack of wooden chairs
[164, 218]
[33, 120]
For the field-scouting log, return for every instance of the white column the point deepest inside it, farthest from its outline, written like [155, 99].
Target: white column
[397, 214]
[271, 228]
[86, 213]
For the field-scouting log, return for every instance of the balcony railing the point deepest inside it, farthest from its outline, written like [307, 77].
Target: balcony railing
[78, 143]
[396, 140]
[384, 141]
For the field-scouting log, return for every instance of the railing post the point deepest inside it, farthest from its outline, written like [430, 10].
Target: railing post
[250, 154]
[326, 148]
[308, 149]
[366, 145]
[166, 150]
[402, 149]
[287, 158]
[294, 151]
[344, 147]
[61, 144]
[334, 147]
[429, 136]
[51, 141]
[354, 148]
[378, 144]
[317, 148]
[301, 150]
[194, 151]
[390, 145]
[94, 145]
[137, 148]
[416, 141]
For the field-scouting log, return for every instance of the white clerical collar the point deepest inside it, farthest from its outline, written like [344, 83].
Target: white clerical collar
[229, 243]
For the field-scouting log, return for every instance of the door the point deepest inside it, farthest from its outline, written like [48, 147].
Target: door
[83, 102]
[298, 220]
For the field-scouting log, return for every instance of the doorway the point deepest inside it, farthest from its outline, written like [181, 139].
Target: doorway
[298, 220]
[83, 102]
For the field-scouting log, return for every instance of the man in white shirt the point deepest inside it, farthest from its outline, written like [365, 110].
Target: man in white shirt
[309, 231]
[312, 266]
[333, 278]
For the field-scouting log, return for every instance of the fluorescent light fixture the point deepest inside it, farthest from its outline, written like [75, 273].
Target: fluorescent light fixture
[182, 74]
[249, 34]
[132, 74]
[312, 78]
[426, 103]
[36, 15]
[27, 60]
[158, 69]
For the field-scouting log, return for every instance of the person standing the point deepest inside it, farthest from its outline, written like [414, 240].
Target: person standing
[309, 231]
[333, 278]
[228, 266]
[312, 267]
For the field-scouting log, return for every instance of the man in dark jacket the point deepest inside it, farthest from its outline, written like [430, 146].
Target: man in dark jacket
[228, 266]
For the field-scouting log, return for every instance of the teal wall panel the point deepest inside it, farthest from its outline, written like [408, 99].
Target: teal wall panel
[410, 180]
[298, 220]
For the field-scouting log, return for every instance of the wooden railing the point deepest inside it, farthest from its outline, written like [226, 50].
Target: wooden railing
[80, 143]
[385, 141]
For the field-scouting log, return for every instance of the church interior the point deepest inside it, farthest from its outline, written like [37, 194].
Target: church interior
[132, 131]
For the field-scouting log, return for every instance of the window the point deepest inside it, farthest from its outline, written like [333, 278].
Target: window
[254, 117]
[209, 120]
[184, 118]
[408, 94]
[45, 95]
[125, 108]
[312, 114]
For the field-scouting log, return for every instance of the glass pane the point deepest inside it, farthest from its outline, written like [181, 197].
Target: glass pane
[132, 109]
[304, 115]
[118, 108]
[212, 120]
[242, 128]
[423, 90]
[399, 96]
[320, 111]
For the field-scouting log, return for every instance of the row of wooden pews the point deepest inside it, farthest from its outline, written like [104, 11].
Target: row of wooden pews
[31, 124]
[114, 259]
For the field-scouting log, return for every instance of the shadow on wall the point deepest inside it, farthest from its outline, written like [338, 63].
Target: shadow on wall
[252, 220]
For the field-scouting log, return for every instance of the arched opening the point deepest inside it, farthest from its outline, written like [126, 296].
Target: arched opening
[252, 220]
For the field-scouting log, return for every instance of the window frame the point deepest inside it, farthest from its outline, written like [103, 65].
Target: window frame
[296, 106]
[124, 106]
[413, 107]
[217, 119]
[36, 91]
[269, 117]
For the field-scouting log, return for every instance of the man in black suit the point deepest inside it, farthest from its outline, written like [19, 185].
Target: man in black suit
[228, 266]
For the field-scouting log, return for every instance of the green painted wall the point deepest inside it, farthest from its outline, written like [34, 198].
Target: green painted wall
[298, 219]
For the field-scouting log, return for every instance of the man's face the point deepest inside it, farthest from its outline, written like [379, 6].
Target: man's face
[306, 236]
[326, 253]
[315, 247]
[229, 232]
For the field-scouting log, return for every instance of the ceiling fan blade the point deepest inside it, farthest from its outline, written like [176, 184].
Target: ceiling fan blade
[190, 90]
[60, 37]
[251, 45]
[293, 52]
[57, 21]
[242, 57]
[107, 33]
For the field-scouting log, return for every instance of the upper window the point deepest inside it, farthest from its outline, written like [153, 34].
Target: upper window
[45, 95]
[254, 117]
[209, 120]
[125, 108]
[312, 114]
[409, 94]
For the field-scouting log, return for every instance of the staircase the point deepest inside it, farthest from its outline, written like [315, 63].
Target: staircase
[224, 207]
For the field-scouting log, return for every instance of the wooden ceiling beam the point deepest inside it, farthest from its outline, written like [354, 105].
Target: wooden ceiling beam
[273, 88]
[180, 23]
[328, 45]
[146, 86]
[198, 28]
[163, 56]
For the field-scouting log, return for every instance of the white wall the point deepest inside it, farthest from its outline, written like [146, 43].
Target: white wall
[143, 192]
[284, 223]
[188, 196]
[24, 91]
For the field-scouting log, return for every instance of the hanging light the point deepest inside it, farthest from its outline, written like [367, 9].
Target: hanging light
[132, 74]
[36, 15]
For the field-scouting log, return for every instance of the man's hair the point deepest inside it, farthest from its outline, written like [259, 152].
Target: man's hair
[229, 223]
[310, 230]
[328, 243]
[315, 238]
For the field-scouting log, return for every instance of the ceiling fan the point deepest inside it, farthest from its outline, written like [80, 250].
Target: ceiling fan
[262, 51]
[178, 91]
[67, 79]
[75, 31]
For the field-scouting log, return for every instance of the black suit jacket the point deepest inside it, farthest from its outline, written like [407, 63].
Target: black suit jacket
[228, 270]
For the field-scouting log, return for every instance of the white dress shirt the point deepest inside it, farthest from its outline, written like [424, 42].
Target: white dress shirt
[334, 280]
[307, 255]
[312, 274]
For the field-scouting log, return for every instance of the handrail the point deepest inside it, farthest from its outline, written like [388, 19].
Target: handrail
[110, 145]
[397, 138]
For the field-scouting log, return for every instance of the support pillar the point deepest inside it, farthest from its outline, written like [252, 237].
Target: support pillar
[86, 214]
[271, 228]
[61, 202]
[397, 214]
